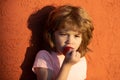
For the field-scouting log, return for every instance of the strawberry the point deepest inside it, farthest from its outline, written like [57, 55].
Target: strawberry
[66, 49]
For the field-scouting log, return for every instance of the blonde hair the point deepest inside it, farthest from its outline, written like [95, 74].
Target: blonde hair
[69, 17]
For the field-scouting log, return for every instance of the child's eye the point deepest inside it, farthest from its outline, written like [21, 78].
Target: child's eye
[77, 35]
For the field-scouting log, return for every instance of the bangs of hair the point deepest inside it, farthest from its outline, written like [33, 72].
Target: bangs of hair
[71, 24]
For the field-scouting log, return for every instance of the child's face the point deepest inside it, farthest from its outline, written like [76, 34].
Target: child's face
[69, 38]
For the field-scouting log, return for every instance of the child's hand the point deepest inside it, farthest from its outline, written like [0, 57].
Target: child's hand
[71, 56]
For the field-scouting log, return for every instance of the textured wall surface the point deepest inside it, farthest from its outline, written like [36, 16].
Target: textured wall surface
[16, 55]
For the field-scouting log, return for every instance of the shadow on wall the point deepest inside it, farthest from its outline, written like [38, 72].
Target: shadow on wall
[36, 23]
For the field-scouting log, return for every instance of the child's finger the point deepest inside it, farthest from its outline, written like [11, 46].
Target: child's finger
[70, 52]
[78, 54]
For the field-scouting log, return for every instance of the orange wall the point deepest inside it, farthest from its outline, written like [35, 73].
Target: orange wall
[15, 58]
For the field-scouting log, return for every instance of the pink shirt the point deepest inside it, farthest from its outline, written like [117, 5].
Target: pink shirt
[52, 61]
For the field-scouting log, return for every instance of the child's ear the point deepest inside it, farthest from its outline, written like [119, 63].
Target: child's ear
[51, 39]
[49, 35]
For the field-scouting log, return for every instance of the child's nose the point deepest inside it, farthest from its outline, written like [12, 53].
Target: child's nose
[70, 40]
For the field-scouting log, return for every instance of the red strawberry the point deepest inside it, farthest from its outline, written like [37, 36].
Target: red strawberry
[66, 49]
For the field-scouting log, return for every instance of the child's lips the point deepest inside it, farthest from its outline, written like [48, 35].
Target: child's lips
[66, 49]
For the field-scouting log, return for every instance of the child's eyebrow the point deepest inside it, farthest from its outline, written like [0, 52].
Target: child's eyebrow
[62, 32]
